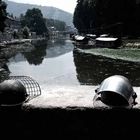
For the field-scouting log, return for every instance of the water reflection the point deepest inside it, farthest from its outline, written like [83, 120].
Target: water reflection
[37, 55]
[56, 62]
[92, 69]
[49, 64]
[58, 47]
[4, 73]
[44, 49]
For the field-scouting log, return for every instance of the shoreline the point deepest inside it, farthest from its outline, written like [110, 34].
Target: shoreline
[18, 41]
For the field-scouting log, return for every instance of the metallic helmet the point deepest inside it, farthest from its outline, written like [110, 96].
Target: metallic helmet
[12, 92]
[116, 91]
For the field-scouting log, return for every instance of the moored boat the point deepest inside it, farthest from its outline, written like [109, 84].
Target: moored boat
[107, 42]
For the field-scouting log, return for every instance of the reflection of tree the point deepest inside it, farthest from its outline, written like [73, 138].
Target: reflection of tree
[40, 42]
[92, 70]
[3, 15]
[4, 73]
[52, 48]
[37, 55]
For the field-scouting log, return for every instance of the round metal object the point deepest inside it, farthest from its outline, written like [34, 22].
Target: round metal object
[117, 91]
[32, 87]
[12, 92]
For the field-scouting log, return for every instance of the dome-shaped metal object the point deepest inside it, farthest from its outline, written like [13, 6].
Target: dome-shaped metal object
[12, 92]
[116, 91]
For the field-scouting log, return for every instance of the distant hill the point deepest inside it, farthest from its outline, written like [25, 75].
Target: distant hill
[48, 12]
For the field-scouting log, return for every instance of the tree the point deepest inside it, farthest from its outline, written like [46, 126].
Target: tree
[34, 20]
[77, 18]
[3, 15]
[25, 32]
[59, 25]
[106, 16]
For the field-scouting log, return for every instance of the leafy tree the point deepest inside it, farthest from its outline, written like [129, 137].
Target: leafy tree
[106, 16]
[77, 18]
[3, 15]
[35, 21]
[25, 32]
[15, 34]
[59, 25]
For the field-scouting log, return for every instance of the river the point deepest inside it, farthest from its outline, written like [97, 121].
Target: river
[57, 62]
[49, 64]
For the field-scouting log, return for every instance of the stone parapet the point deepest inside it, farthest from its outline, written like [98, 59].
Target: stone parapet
[69, 113]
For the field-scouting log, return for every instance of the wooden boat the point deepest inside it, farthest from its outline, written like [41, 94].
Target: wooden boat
[81, 39]
[107, 42]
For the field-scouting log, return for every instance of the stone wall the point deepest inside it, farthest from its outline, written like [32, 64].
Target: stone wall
[68, 113]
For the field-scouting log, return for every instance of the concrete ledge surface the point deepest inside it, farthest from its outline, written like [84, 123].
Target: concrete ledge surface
[71, 96]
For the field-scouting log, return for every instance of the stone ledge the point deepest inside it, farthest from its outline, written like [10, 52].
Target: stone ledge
[68, 113]
[71, 97]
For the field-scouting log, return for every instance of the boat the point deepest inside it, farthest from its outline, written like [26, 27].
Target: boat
[107, 42]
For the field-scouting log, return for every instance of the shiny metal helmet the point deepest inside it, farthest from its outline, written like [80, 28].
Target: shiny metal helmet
[116, 91]
[12, 92]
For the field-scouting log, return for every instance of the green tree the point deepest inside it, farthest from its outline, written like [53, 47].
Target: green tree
[25, 32]
[59, 25]
[34, 20]
[3, 15]
[106, 16]
[77, 17]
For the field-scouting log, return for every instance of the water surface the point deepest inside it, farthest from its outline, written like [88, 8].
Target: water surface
[58, 62]
[51, 64]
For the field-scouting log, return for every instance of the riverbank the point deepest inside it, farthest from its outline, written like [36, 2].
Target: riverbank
[14, 42]
[126, 54]
[9, 49]
[18, 41]
[128, 51]
[128, 47]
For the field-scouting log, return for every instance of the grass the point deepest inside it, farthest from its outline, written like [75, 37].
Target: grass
[131, 54]
[129, 50]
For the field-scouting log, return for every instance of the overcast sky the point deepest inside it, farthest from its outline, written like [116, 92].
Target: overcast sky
[66, 5]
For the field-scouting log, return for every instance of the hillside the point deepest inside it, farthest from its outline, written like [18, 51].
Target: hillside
[48, 12]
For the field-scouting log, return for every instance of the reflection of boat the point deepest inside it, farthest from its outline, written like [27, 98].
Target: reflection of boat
[92, 69]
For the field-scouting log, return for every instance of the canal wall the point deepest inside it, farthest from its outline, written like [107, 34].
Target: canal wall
[69, 113]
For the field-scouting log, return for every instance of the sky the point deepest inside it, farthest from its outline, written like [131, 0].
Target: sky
[66, 5]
